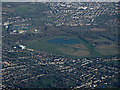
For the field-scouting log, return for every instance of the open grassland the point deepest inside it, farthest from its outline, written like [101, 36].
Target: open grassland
[79, 53]
[83, 49]
[105, 46]
[106, 51]
[101, 39]
[24, 8]
[63, 49]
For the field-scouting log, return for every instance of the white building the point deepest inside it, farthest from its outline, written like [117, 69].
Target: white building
[23, 47]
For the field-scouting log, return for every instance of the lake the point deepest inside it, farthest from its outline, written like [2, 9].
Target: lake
[63, 41]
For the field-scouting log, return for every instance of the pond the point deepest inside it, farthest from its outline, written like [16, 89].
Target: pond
[63, 41]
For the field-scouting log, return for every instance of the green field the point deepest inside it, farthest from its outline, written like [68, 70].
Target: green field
[83, 49]
[105, 49]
